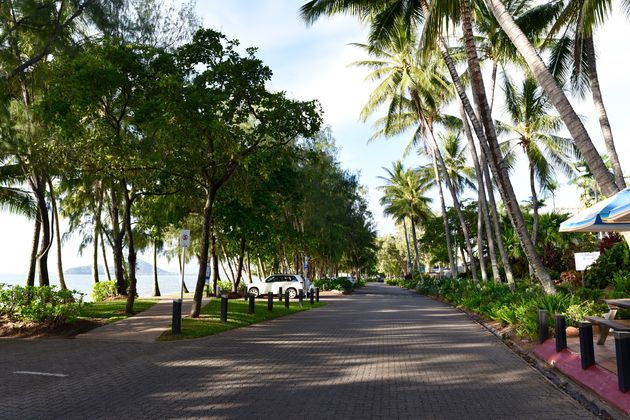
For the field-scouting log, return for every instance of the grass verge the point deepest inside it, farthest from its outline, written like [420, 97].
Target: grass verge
[209, 322]
[113, 310]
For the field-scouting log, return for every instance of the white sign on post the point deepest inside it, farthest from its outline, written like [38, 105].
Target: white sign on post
[184, 238]
[583, 260]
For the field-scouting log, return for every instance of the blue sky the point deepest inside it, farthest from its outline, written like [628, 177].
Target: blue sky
[313, 63]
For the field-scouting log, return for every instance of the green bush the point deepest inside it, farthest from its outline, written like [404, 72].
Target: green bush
[579, 311]
[224, 286]
[600, 274]
[103, 290]
[339, 283]
[42, 304]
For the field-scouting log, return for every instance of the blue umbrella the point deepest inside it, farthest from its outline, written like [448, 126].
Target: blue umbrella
[610, 215]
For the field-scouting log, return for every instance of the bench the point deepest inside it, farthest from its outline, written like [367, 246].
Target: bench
[607, 324]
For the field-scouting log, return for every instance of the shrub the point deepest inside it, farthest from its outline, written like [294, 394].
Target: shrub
[579, 311]
[224, 286]
[42, 304]
[600, 274]
[339, 283]
[103, 290]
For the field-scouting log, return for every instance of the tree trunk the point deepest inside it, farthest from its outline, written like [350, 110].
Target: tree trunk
[532, 186]
[415, 244]
[104, 250]
[117, 245]
[132, 253]
[407, 243]
[205, 247]
[483, 203]
[482, 260]
[544, 78]
[156, 284]
[42, 256]
[215, 267]
[53, 200]
[239, 268]
[30, 277]
[493, 84]
[447, 232]
[97, 230]
[456, 204]
[598, 101]
[496, 223]
[249, 269]
[494, 153]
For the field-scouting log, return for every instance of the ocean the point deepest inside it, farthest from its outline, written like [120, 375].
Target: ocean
[169, 283]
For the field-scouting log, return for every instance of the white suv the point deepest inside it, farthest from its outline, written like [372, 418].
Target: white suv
[291, 283]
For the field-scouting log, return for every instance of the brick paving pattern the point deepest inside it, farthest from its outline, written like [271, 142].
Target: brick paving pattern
[380, 353]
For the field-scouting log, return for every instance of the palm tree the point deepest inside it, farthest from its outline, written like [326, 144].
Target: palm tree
[557, 97]
[381, 25]
[574, 53]
[403, 197]
[535, 131]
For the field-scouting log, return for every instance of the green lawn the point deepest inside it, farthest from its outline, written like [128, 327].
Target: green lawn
[209, 322]
[113, 310]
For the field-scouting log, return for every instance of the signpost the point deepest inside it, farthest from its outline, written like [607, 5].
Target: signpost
[583, 260]
[176, 326]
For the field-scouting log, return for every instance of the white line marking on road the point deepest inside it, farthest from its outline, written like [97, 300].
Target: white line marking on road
[26, 372]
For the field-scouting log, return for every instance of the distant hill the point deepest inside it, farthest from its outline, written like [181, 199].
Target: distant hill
[142, 267]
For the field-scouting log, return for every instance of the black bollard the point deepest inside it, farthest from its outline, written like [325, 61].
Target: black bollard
[245, 295]
[286, 299]
[224, 308]
[176, 326]
[311, 297]
[317, 294]
[543, 328]
[561, 332]
[301, 297]
[270, 302]
[622, 348]
[252, 304]
[280, 294]
[587, 352]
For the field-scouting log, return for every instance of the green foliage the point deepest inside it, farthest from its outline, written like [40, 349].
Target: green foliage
[103, 290]
[339, 283]
[518, 308]
[43, 304]
[224, 286]
[611, 261]
[113, 310]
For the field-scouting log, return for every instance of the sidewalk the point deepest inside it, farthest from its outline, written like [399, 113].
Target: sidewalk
[143, 327]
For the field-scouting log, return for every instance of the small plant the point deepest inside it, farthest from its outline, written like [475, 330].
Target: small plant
[44, 304]
[103, 290]
[224, 286]
[578, 312]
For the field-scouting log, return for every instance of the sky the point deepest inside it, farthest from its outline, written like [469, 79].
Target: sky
[315, 63]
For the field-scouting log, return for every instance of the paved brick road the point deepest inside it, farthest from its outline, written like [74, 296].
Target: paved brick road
[381, 353]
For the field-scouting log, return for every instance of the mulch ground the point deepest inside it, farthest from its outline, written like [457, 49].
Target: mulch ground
[10, 329]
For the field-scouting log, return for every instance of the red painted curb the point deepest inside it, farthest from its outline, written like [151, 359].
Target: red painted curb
[598, 380]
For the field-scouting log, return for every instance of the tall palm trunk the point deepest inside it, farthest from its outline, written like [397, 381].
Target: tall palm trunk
[598, 101]
[494, 153]
[544, 78]
[30, 277]
[496, 223]
[532, 186]
[416, 259]
[456, 203]
[447, 233]
[483, 204]
[482, 260]
[407, 243]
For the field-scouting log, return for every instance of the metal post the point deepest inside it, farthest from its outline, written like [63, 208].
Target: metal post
[543, 329]
[280, 294]
[252, 304]
[311, 297]
[301, 297]
[176, 324]
[270, 302]
[317, 294]
[224, 308]
[587, 352]
[181, 293]
[561, 332]
[286, 299]
[622, 348]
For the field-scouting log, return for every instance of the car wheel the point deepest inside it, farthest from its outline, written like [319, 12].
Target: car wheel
[254, 291]
[292, 293]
